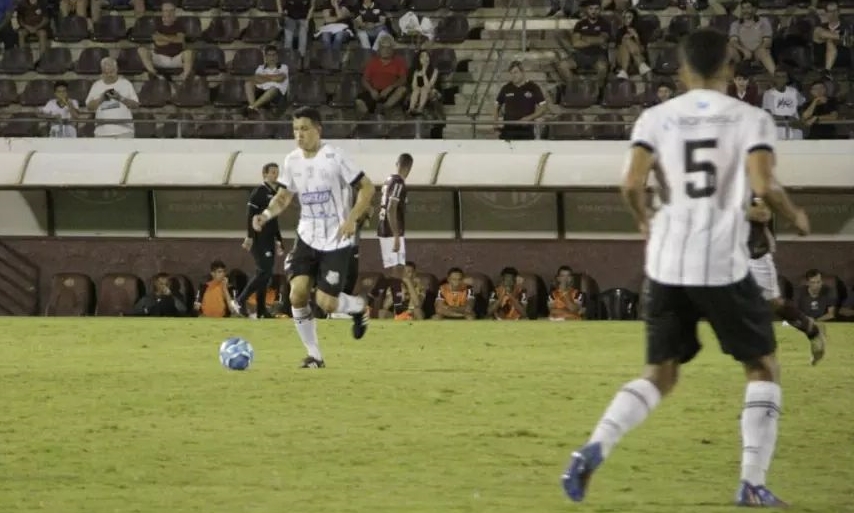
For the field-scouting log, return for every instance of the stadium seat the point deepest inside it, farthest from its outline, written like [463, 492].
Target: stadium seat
[773, 4]
[290, 58]
[649, 28]
[569, 132]
[129, 62]
[85, 129]
[445, 60]
[590, 289]
[210, 60]
[618, 304]
[667, 62]
[375, 130]
[117, 294]
[338, 129]
[256, 130]
[246, 61]
[16, 61]
[722, 22]
[222, 30]
[390, 5]
[613, 128]
[464, 5]
[267, 6]
[653, 5]
[17, 126]
[345, 94]
[109, 29]
[72, 29]
[193, 92]
[452, 29]
[192, 26]
[580, 94]
[357, 59]
[262, 31]
[71, 295]
[308, 91]
[324, 60]
[237, 5]
[219, 126]
[143, 30]
[231, 93]
[157, 5]
[178, 126]
[89, 62]
[198, 5]
[55, 61]
[426, 5]
[619, 94]
[418, 130]
[144, 130]
[482, 288]
[155, 93]
[37, 93]
[681, 25]
[8, 92]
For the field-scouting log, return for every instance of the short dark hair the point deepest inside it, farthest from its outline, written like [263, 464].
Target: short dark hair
[160, 276]
[705, 51]
[509, 270]
[453, 270]
[270, 48]
[268, 165]
[405, 160]
[411, 263]
[310, 113]
[812, 273]
[60, 83]
[742, 70]
[515, 65]
[217, 265]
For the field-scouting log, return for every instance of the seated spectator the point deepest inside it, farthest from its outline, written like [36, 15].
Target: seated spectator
[169, 50]
[562, 8]
[370, 24]
[7, 33]
[404, 301]
[455, 299]
[273, 302]
[815, 299]
[743, 88]
[297, 15]
[590, 38]
[750, 37]
[509, 300]
[61, 107]
[270, 81]
[783, 102]
[112, 98]
[162, 302]
[98, 5]
[631, 47]
[213, 296]
[73, 8]
[832, 43]
[424, 80]
[663, 92]
[821, 112]
[565, 301]
[33, 20]
[384, 80]
[335, 31]
[520, 100]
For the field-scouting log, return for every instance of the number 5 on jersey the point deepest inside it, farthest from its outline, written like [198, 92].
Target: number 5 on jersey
[702, 174]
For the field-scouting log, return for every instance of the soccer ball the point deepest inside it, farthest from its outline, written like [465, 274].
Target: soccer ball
[236, 354]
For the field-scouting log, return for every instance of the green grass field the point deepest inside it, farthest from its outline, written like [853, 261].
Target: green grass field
[123, 415]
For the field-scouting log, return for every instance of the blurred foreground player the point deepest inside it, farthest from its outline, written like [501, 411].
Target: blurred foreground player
[761, 244]
[697, 259]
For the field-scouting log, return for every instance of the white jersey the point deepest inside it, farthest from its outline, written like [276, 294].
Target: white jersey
[324, 186]
[786, 104]
[701, 140]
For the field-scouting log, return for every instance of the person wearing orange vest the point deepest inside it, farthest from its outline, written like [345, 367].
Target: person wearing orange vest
[509, 300]
[455, 299]
[565, 301]
[213, 297]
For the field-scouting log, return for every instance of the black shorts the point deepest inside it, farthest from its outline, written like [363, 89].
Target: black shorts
[738, 314]
[370, 103]
[586, 58]
[328, 269]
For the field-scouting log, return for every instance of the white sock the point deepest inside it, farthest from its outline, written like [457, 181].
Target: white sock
[350, 304]
[629, 408]
[762, 400]
[307, 329]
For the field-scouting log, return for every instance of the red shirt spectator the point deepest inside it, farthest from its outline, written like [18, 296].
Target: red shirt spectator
[382, 74]
[384, 79]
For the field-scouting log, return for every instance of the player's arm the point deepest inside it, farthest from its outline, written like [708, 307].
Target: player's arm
[277, 205]
[252, 210]
[364, 196]
[759, 213]
[633, 188]
[391, 213]
[829, 315]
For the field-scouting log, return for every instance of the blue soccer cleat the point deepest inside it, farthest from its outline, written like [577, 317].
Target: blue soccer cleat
[584, 462]
[757, 497]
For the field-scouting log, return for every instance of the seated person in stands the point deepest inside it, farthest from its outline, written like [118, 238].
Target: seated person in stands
[750, 37]
[590, 38]
[455, 299]
[162, 302]
[33, 20]
[335, 31]
[213, 296]
[384, 80]
[820, 113]
[109, 5]
[370, 24]
[424, 79]
[61, 107]
[270, 81]
[663, 92]
[743, 88]
[509, 300]
[565, 301]
[405, 302]
[832, 43]
[112, 98]
[73, 8]
[631, 47]
[816, 299]
[170, 50]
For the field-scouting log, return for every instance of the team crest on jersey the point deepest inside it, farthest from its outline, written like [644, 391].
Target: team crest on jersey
[332, 277]
[314, 197]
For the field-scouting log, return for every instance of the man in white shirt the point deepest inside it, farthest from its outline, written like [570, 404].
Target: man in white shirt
[61, 108]
[323, 179]
[707, 151]
[112, 98]
[783, 102]
[269, 82]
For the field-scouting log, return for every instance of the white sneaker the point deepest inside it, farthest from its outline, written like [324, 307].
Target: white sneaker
[235, 308]
[622, 75]
[644, 69]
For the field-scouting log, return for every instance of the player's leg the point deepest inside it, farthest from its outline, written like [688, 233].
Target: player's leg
[303, 267]
[393, 263]
[742, 321]
[331, 274]
[671, 323]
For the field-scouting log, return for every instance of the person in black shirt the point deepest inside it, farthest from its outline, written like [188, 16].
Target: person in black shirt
[761, 244]
[297, 15]
[521, 100]
[821, 113]
[264, 245]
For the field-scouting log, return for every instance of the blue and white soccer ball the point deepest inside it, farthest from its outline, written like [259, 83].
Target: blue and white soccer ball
[236, 354]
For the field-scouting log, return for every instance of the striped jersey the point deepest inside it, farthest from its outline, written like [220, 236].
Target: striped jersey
[701, 139]
[324, 186]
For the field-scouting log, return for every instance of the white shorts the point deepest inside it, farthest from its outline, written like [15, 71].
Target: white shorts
[390, 258]
[166, 62]
[765, 274]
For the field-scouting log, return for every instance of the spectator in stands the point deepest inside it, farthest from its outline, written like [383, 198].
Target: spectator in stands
[521, 100]
[33, 20]
[816, 299]
[455, 299]
[7, 33]
[162, 302]
[384, 80]
[405, 303]
[743, 88]
[833, 44]
[821, 112]
[370, 24]
[297, 15]
[590, 38]
[424, 80]
[335, 31]
[750, 37]
[73, 7]
[664, 91]
[562, 8]
[213, 296]
[631, 47]
[61, 107]
[270, 81]
[112, 98]
[169, 50]
[783, 102]
[509, 300]
[566, 303]
[97, 5]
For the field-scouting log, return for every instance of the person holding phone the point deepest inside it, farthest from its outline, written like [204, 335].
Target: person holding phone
[112, 98]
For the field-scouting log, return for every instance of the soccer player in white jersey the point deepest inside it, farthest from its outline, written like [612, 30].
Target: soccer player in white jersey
[323, 179]
[700, 145]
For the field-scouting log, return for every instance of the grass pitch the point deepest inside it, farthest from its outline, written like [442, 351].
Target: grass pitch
[136, 415]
